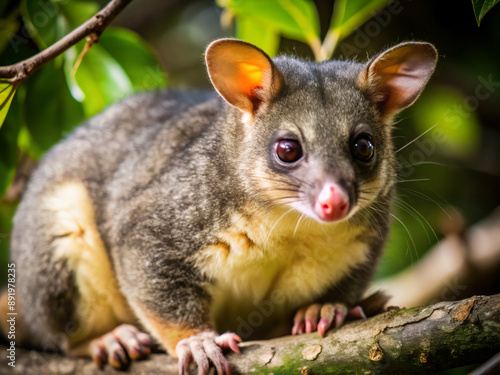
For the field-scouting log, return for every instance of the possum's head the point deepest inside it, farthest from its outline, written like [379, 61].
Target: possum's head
[317, 136]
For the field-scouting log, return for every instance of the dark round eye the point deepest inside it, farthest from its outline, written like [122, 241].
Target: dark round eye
[362, 148]
[289, 151]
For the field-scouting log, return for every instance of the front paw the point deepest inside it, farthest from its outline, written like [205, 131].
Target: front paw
[321, 317]
[205, 348]
[120, 346]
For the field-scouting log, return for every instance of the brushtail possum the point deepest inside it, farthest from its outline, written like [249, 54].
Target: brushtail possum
[183, 215]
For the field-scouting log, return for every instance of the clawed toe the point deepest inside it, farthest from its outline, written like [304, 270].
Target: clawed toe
[207, 348]
[229, 340]
[317, 317]
[120, 346]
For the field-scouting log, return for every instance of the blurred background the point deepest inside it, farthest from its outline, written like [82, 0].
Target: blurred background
[450, 139]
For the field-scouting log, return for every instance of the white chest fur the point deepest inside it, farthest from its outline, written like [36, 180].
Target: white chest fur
[277, 255]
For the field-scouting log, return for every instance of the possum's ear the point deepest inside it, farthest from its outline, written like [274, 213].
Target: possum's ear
[244, 75]
[394, 79]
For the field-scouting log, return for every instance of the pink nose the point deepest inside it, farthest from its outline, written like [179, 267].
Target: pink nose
[332, 203]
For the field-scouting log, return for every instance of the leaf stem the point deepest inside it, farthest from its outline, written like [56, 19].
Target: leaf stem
[91, 40]
[316, 47]
[332, 38]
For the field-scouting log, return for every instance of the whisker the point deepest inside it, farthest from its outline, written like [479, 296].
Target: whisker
[278, 191]
[281, 181]
[407, 231]
[278, 199]
[401, 166]
[302, 182]
[269, 204]
[413, 180]
[384, 210]
[427, 198]
[298, 182]
[274, 226]
[417, 138]
[417, 216]
[368, 216]
[297, 226]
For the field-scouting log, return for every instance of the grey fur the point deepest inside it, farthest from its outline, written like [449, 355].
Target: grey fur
[166, 170]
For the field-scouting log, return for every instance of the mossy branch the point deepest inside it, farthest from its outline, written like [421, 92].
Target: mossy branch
[408, 341]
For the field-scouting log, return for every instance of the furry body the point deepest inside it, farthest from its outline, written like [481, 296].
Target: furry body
[167, 211]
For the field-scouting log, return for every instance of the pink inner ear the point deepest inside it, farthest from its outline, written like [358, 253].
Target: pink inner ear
[242, 74]
[250, 77]
[404, 89]
[400, 77]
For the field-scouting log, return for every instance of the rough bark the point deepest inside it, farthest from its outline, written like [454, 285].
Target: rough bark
[408, 341]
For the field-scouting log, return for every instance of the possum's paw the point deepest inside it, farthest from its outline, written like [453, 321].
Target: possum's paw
[320, 317]
[205, 348]
[121, 345]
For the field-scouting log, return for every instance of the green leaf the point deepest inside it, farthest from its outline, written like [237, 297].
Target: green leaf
[48, 21]
[44, 24]
[7, 92]
[135, 57]
[8, 146]
[116, 67]
[28, 145]
[120, 64]
[363, 10]
[8, 27]
[78, 12]
[51, 112]
[297, 19]
[15, 46]
[481, 7]
[347, 17]
[101, 79]
[259, 34]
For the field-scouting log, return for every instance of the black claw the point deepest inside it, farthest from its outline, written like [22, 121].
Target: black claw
[122, 359]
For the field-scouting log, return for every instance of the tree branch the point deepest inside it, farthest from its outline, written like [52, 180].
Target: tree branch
[18, 72]
[432, 338]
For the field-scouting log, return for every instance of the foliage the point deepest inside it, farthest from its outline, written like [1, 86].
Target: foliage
[72, 87]
[7, 92]
[261, 22]
[481, 7]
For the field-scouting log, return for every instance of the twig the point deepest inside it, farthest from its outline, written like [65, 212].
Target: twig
[16, 73]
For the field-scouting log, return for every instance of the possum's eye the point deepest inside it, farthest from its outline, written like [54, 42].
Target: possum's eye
[288, 150]
[362, 147]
